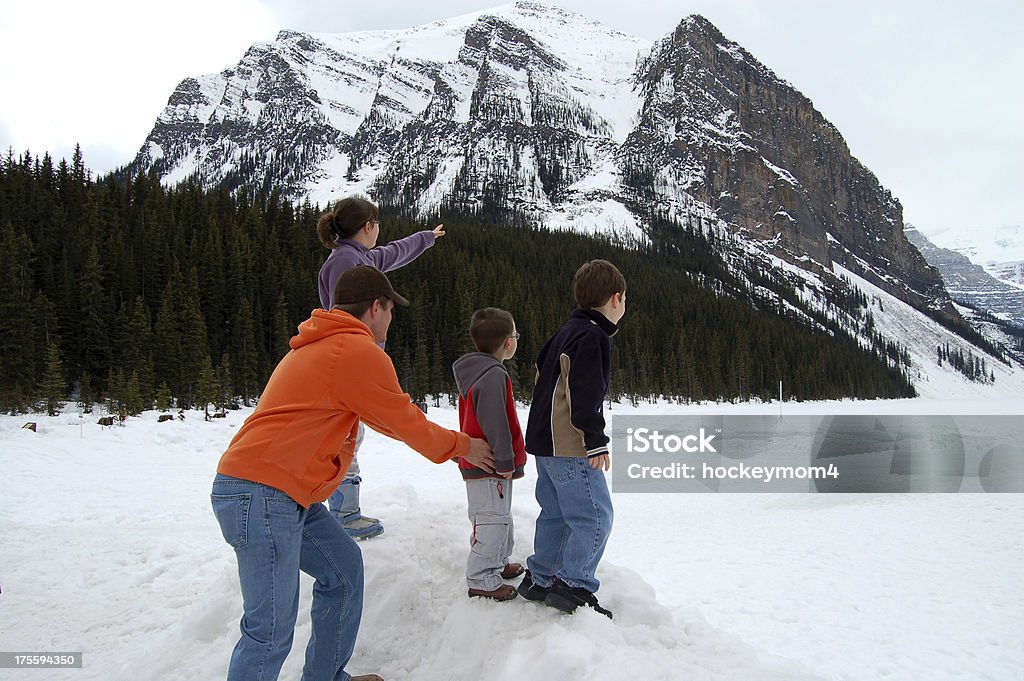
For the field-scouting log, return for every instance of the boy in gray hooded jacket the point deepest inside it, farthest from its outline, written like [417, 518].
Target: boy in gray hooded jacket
[487, 410]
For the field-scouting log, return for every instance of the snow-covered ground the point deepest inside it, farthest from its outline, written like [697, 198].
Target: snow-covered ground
[108, 546]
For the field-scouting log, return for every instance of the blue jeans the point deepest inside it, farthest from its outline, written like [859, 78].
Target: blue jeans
[274, 538]
[574, 523]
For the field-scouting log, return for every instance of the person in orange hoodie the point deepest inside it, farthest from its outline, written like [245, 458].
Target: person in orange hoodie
[291, 454]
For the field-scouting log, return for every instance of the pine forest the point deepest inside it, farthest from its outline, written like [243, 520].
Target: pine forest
[123, 292]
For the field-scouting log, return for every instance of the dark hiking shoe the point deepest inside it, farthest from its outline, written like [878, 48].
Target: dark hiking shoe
[530, 591]
[367, 677]
[512, 570]
[566, 598]
[505, 592]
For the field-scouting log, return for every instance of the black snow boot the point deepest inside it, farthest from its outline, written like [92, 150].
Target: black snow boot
[530, 591]
[567, 599]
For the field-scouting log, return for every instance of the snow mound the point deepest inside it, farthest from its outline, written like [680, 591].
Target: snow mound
[419, 623]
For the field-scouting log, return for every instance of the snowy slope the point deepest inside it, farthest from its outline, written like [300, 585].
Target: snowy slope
[109, 547]
[895, 320]
[922, 336]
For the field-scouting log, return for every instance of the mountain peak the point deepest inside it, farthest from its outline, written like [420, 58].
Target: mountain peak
[538, 9]
[698, 29]
[698, 22]
[547, 20]
[533, 109]
[526, 13]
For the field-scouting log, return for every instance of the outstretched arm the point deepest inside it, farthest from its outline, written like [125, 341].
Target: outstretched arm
[401, 252]
[379, 401]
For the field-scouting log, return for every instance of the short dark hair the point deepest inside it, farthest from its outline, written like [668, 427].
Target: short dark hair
[357, 310]
[595, 282]
[490, 327]
[344, 220]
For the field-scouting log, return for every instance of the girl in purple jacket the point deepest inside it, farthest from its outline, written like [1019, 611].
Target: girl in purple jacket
[350, 230]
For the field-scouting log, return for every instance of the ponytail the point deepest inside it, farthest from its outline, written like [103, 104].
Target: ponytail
[345, 220]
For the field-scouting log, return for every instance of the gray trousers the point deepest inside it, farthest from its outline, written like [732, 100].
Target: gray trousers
[490, 545]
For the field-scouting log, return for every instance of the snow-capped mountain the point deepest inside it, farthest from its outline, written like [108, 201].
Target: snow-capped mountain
[971, 283]
[531, 109]
[534, 109]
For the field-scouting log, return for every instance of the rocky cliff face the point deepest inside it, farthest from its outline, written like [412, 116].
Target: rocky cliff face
[532, 109]
[720, 125]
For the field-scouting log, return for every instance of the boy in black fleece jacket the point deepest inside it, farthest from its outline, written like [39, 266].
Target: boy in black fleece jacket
[565, 433]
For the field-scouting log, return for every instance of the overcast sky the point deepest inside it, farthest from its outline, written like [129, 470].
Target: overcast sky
[928, 94]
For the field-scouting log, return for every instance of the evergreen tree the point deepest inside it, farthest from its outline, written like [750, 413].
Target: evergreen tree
[282, 329]
[226, 395]
[168, 353]
[212, 284]
[53, 389]
[193, 337]
[17, 368]
[207, 387]
[93, 321]
[86, 396]
[243, 352]
[115, 397]
[131, 397]
[437, 379]
[163, 398]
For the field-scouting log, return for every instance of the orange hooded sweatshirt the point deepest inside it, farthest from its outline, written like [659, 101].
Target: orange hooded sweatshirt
[302, 436]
